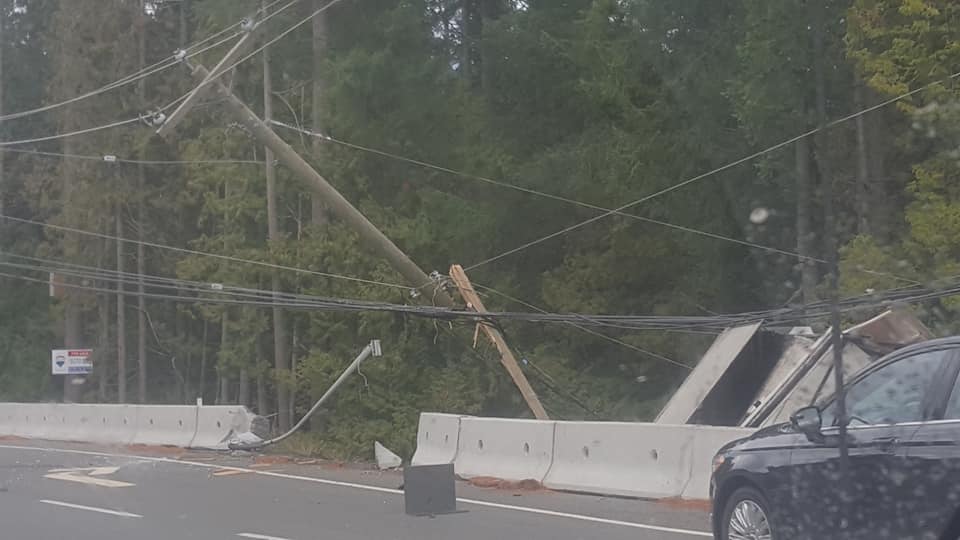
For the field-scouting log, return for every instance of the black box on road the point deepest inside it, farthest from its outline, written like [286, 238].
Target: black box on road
[429, 490]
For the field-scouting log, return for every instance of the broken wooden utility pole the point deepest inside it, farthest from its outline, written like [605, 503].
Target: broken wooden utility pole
[509, 361]
[341, 208]
[338, 205]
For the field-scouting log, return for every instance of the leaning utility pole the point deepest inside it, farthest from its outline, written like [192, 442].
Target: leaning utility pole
[225, 64]
[509, 361]
[338, 205]
[341, 208]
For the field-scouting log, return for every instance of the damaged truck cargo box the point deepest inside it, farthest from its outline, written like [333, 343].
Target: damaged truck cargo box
[754, 377]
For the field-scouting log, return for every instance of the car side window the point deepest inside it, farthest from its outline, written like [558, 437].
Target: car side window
[892, 394]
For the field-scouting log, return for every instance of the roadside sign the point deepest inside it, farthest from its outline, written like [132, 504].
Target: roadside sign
[71, 361]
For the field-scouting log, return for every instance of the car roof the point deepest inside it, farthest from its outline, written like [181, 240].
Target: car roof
[951, 341]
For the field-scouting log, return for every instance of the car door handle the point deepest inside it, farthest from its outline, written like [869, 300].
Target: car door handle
[886, 443]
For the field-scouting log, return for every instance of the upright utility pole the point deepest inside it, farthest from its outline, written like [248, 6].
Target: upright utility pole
[830, 228]
[806, 240]
[862, 191]
[141, 256]
[509, 361]
[72, 306]
[3, 23]
[223, 380]
[121, 313]
[318, 213]
[184, 15]
[281, 350]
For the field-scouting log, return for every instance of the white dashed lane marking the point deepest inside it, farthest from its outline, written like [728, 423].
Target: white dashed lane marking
[91, 509]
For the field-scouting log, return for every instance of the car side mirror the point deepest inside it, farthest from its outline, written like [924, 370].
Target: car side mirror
[809, 422]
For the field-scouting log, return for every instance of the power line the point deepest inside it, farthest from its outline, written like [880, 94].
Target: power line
[202, 253]
[543, 376]
[222, 293]
[298, 301]
[258, 50]
[72, 133]
[645, 352]
[713, 172]
[560, 198]
[597, 323]
[215, 293]
[109, 158]
[548, 379]
[211, 80]
[157, 67]
[508, 185]
[229, 295]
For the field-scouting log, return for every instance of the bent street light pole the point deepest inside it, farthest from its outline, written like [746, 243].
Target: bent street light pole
[339, 206]
[372, 349]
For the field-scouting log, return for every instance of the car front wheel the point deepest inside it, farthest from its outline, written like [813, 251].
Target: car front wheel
[746, 517]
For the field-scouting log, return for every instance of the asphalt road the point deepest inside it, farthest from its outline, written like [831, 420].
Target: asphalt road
[56, 490]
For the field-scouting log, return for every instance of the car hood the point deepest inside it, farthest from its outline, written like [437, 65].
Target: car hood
[771, 437]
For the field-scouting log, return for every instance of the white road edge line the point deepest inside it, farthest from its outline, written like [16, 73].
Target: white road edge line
[260, 536]
[90, 508]
[527, 509]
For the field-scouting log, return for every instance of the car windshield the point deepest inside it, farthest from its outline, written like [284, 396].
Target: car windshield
[428, 269]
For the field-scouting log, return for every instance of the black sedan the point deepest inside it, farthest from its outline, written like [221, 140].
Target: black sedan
[902, 478]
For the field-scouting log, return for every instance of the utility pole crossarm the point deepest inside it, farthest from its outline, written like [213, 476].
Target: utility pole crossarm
[509, 361]
[338, 204]
[228, 60]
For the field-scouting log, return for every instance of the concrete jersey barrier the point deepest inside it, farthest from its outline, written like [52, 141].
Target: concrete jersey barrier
[218, 425]
[30, 420]
[621, 458]
[438, 436]
[706, 442]
[111, 424]
[611, 458]
[75, 423]
[168, 425]
[504, 449]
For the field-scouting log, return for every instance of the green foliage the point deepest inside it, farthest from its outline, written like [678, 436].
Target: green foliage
[899, 45]
[25, 336]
